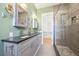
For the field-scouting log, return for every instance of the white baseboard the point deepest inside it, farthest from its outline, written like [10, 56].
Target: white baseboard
[37, 49]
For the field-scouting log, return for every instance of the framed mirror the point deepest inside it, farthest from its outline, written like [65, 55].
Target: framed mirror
[20, 17]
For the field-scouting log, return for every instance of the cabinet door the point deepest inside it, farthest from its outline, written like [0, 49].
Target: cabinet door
[24, 48]
[26, 51]
[10, 49]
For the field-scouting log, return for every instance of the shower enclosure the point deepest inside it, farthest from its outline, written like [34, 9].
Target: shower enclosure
[66, 37]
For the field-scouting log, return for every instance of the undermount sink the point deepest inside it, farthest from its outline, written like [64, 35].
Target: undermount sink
[24, 37]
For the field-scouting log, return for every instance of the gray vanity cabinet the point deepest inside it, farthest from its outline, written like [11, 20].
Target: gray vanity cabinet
[24, 48]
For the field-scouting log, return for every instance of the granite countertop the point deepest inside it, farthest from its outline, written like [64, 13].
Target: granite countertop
[18, 39]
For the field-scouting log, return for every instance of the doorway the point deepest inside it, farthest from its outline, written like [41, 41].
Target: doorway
[47, 28]
[47, 48]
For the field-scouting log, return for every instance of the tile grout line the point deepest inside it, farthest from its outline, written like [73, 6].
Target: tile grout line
[37, 49]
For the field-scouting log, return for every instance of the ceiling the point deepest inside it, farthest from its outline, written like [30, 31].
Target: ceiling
[43, 5]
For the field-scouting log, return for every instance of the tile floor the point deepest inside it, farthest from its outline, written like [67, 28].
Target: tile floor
[47, 48]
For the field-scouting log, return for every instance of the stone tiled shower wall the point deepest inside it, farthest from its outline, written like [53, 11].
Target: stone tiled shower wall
[71, 32]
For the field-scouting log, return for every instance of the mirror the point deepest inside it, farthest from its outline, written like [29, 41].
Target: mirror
[20, 15]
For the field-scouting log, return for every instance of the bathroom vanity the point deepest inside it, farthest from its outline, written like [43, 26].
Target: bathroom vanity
[22, 46]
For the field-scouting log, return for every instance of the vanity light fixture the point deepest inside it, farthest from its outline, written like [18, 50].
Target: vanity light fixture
[23, 5]
[9, 8]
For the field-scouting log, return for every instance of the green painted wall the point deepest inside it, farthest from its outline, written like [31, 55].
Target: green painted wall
[43, 10]
[6, 23]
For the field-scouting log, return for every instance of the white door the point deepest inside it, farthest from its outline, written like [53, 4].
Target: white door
[47, 25]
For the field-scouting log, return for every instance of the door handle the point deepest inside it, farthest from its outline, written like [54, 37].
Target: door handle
[11, 47]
